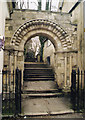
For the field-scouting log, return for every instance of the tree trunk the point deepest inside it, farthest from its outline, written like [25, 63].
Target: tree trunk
[39, 5]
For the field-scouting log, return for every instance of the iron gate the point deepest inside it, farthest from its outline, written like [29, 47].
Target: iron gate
[78, 90]
[11, 92]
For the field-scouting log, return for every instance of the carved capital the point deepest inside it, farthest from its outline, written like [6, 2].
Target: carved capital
[16, 53]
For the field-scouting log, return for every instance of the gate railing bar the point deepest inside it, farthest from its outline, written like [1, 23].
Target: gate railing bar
[78, 89]
[6, 87]
[2, 91]
[11, 92]
[20, 90]
[84, 91]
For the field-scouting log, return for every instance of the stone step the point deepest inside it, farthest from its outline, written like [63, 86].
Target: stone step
[41, 63]
[41, 91]
[40, 85]
[36, 65]
[51, 105]
[38, 73]
[49, 115]
[38, 79]
[30, 59]
[35, 76]
[38, 68]
[42, 95]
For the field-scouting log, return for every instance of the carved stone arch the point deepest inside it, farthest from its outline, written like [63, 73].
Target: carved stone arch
[41, 27]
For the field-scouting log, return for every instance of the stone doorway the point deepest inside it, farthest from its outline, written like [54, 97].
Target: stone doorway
[64, 53]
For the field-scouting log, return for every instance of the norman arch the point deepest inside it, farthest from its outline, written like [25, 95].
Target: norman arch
[57, 35]
[41, 27]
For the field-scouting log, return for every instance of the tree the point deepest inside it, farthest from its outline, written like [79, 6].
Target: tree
[13, 3]
[47, 4]
[50, 4]
[39, 5]
[20, 4]
[42, 41]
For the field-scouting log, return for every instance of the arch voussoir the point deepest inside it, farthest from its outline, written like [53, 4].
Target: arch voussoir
[44, 25]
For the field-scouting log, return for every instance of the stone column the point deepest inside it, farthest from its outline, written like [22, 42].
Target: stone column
[55, 67]
[10, 70]
[21, 63]
[65, 69]
[15, 64]
[70, 68]
[15, 60]
[10, 61]
[22, 69]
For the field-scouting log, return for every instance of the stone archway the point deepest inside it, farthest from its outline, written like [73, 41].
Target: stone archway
[40, 26]
[57, 35]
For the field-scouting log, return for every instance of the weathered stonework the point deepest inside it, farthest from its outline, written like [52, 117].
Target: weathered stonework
[57, 27]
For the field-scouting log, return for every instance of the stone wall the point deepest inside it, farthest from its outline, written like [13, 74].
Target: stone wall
[49, 51]
[62, 64]
[77, 20]
[59, 54]
[67, 5]
[20, 17]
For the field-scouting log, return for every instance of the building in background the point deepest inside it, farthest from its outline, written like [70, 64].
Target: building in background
[50, 5]
[32, 49]
[76, 10]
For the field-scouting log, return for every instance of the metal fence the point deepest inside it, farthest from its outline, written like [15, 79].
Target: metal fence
[11, 92]
[78, 90]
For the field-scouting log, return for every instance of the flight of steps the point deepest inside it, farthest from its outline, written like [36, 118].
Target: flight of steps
[41, 95]
[39, 81]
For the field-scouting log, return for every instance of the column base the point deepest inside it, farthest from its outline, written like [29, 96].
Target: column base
[66, 89]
